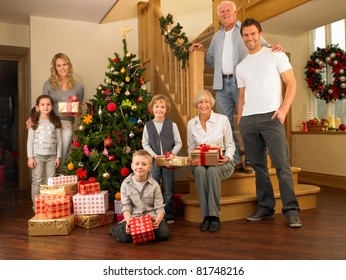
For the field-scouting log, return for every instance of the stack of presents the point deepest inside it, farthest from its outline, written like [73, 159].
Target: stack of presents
[65, 203]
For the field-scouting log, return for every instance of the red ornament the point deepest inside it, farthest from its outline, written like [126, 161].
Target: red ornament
[115, 60]
[140, 99]
[342, 127]
[111, 107]
[140, 80]
[125, 172]
[106, 91]
[76, 144]
[108, 142]
[111, 157]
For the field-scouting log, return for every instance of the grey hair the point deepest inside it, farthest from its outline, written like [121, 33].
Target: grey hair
[202, 94]
[230, 2]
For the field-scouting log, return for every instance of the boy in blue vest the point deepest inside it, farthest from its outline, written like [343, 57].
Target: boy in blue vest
[160, 136]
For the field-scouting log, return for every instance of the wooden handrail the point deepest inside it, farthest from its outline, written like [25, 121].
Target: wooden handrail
[166, 74]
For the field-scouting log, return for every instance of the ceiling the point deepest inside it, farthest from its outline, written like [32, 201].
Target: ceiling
[292, 23]
[19, 11]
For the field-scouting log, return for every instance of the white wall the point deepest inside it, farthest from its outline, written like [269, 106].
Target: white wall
[88, 45]
[14, 35]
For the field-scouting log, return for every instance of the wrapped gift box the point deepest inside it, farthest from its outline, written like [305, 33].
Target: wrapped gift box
[119, 217]
[172, 162]
[88, 187]
[117, 207]
[141, 229]
[57, 208]
[91, 203]
[59, 190]
[205, 155]
[41, 199]
[40, 225]
[70, 108]
[63, 180]
[94, 221]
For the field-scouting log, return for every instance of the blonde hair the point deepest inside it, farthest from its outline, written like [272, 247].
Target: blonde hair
[203, 94]
[54, 75]
[157, 98]
[143, 153]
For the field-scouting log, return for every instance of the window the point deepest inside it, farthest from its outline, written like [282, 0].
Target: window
[333, 33]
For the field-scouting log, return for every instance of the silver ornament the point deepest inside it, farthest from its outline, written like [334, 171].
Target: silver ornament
[330, 91]
[342, 79]
[328, 59]
[332, 55]
[317, 71]
[322, 81]
[131, 135]
[343, 85]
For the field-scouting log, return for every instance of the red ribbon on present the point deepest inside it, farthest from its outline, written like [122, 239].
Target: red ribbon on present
[90, 180]
[71, 99]
[206, 148]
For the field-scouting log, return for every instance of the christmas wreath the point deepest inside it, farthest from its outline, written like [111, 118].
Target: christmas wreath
[316, 73]
[176, 39]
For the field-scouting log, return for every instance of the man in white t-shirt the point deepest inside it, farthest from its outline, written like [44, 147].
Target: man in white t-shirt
[261, 115]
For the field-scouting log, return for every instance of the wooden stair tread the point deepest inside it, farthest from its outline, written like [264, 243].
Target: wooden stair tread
[301, 189]
[242, 174]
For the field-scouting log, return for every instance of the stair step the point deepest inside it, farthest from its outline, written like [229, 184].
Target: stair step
[243, 184]
[240, 206]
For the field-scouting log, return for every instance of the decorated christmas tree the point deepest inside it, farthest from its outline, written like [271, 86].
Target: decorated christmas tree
[112, 126]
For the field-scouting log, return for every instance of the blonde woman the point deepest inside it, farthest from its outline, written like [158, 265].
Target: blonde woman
[215, 130]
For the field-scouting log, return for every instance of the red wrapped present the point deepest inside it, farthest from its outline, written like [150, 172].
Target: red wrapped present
[141, 229]
[88, 186]
[91, 203]
[40, 201]
[205, 155]
[57, 208]
[119, 217]
[93, 221]
[62, 180]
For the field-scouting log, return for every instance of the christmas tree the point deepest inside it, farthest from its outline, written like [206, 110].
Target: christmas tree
[111, 129]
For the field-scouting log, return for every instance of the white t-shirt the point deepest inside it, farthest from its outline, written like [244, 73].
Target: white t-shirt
[227, 53]
[259, 73]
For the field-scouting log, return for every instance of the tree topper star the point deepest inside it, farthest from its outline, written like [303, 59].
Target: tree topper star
[124, 30]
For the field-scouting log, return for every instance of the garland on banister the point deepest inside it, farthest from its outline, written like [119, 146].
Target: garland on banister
[176, 39]
[316, 69]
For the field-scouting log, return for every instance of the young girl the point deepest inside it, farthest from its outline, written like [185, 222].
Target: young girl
[161, 135]
[44, 146]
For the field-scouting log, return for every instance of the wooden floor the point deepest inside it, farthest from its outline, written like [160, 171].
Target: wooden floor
[322, 237]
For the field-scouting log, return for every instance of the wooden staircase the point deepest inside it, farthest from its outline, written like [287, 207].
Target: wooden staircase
[238, 196]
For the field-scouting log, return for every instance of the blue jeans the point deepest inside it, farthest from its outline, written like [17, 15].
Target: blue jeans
[226, 101]
[260, 133]
[167, 176]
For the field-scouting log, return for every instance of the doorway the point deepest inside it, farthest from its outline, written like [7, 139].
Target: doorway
[14, 100]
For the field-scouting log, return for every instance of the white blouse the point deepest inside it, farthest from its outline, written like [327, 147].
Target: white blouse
[218, 133]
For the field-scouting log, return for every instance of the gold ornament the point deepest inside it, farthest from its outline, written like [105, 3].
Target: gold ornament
[122, 70]
[127, 79]
[106, 175]
[134, 107]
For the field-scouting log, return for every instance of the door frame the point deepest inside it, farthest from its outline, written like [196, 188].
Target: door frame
[21, 56]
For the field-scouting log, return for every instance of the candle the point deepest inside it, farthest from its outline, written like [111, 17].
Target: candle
[337, 122]
[331, 121]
